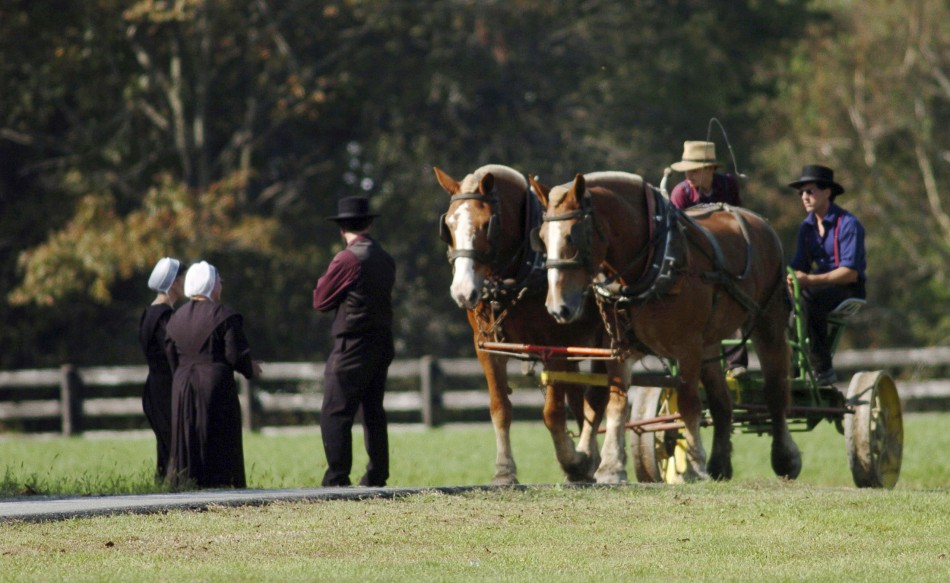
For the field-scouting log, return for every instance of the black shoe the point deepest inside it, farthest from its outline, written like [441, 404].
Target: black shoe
[367, 483]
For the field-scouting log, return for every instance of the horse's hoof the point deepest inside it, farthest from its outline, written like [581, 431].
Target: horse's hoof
[611, 477]
[577, 476]
[787, 462]
[720, 471]
[504, 480]
[580, 471]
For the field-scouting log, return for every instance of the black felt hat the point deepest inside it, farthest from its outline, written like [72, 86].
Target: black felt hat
[821, 175]
[352, 207]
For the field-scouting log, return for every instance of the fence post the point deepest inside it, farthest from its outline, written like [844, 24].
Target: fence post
[248, 410]
[70, 399]
[431, 392]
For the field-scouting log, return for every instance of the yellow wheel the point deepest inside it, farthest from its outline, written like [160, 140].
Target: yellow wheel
[658, 456]
[874, 433]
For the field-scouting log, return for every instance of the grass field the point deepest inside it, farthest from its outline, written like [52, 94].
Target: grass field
[755, 528]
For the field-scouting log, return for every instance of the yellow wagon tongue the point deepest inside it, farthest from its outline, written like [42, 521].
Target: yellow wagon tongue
[577, 378]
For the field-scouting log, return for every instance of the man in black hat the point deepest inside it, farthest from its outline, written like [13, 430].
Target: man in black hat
[829, 260]
[357, 284]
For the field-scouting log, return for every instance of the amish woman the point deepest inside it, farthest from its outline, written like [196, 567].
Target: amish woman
[205, 343]
[167, 279]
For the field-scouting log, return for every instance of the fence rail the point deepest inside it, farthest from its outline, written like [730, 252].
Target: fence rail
[72, 397]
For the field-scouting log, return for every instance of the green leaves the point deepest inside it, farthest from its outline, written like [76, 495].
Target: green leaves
[98, 246]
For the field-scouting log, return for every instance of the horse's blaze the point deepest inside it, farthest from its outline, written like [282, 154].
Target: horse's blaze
[466, 282]
[565, 300]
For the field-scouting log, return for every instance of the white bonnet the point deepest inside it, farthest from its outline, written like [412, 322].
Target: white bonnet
[200, 279]
[164, 274]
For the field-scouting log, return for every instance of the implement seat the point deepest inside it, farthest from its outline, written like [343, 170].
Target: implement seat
[839, 317]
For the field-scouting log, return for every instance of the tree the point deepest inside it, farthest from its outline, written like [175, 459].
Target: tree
[867, 93]
[226, 130]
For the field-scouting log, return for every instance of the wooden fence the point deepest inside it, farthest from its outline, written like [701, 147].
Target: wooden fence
[428, 390]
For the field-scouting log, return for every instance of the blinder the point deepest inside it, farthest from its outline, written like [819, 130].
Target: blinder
[492, 230]
[537, 244]
[581, 237]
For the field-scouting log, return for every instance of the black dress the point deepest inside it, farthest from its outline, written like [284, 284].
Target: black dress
[206, 345]
[157, 393]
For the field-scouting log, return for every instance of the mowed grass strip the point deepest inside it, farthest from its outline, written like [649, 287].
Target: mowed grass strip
[753, 530]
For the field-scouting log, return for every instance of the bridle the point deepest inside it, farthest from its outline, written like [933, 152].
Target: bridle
[581, 236]
[492, 232]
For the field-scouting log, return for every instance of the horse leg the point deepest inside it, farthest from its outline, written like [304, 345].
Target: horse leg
[613, 458]
[768, 336]
[576, 464]
[691, 411]
[720, 406]
[595, 403]
[493, 366]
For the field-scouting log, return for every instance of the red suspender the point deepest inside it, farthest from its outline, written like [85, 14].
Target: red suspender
[837, 254]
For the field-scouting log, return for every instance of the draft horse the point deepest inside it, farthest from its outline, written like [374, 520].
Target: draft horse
[674, 284]
[500, 281]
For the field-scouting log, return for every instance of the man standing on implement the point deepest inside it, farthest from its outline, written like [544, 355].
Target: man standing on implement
[357, 284]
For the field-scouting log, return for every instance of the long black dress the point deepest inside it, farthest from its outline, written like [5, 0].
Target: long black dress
[206, 344]
[157, 393]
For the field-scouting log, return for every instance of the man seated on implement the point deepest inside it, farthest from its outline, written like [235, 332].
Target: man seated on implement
[829, 260]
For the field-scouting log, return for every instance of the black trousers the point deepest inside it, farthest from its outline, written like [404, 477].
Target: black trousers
[817, 303]
[355, 377]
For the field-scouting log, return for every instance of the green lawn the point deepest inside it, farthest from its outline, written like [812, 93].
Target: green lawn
[755, 528]
[429, 457]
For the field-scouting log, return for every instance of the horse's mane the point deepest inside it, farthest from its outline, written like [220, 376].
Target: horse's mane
[499, 171]
[613, 175]
[595, 179]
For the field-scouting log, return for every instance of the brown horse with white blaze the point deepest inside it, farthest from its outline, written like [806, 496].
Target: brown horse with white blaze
[675, 284]
[486, 226]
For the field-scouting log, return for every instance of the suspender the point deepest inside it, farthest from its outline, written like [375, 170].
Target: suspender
[837, 254]
[835, 235]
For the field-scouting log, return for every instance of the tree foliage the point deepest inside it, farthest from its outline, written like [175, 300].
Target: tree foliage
[867, 91]
[223, 130]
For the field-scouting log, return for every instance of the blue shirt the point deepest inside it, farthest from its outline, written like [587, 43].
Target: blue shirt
[816, 254]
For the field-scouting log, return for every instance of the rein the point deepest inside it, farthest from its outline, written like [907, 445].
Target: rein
[664, 253]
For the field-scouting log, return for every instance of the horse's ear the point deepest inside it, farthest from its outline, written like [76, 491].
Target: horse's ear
[450, 185]
[540, 190]
[488, 183]
[578, 189]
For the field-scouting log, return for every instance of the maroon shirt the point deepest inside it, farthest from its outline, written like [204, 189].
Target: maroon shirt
[358, 284]
[331, 288]
[725, 188]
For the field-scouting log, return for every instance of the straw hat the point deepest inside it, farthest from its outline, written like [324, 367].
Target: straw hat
[696, 155]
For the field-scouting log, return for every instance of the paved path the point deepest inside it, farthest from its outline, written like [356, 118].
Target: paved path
[40, 508]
